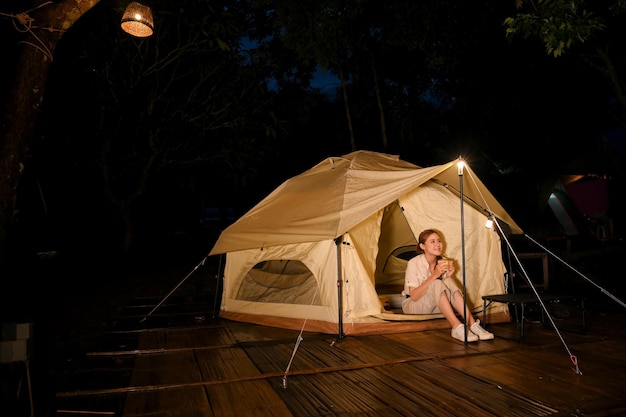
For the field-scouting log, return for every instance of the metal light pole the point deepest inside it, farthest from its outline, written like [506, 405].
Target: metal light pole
[460, 165]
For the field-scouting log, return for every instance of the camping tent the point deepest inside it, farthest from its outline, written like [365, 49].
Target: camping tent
[581, 205]
[328, 246]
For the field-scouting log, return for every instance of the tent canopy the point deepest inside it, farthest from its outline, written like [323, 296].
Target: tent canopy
[340, 192]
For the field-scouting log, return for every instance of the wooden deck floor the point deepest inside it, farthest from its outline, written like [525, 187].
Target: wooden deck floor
[183, 362]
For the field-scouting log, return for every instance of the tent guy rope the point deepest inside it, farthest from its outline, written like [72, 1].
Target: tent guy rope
[174, 289]
[572, 357]
[617, 300]
[296, 346]
[493, 219]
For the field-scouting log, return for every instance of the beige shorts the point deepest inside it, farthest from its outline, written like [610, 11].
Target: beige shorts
[428, 303]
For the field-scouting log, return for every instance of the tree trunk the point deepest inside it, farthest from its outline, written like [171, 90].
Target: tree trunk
[49, 22]
[347, 108]
[379, 101]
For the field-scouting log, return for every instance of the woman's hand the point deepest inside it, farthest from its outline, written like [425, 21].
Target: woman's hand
[440, 269]
[445, 268]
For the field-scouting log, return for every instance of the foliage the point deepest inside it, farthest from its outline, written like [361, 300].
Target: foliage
[592, 30]
[558, 24]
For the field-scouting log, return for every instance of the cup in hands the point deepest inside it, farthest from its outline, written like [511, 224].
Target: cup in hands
[445, 262]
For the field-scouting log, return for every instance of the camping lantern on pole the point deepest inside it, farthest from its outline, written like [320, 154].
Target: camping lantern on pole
[137, 20]
[460, 165]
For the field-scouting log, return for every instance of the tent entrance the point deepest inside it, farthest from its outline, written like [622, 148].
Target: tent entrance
[396, 245]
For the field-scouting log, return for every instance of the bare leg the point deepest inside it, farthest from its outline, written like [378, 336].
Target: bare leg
[446, 309]
[459, 305]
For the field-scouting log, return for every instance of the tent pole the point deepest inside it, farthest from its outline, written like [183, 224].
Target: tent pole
[338, 242]
[460, 165]
[218, 277]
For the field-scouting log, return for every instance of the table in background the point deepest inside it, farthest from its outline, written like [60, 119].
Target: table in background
[523, 299]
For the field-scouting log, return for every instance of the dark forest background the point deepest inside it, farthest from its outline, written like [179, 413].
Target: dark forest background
[149, 147]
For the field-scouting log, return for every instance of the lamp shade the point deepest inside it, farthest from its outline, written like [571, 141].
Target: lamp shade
[137, 20]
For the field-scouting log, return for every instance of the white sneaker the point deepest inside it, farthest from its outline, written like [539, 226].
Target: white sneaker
[459, 334]
[482, 334]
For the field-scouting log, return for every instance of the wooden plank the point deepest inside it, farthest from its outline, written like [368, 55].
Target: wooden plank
[231, 369]
[97, 405]
[469, 395]
[401, 390]
[555, 380]
[378, 348]
[166, 368]
[179, 402]
[321, 356]
[188, 338]
[332, 394]
[433, 343]
[246, 399]
[226, 363]
[548, 376]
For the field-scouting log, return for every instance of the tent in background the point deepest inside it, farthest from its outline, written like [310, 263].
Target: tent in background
[581, 205]
[327, 248]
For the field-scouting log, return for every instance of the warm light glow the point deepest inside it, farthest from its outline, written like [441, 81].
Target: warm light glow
[460, 165]
[137, 20]
[489, 223]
